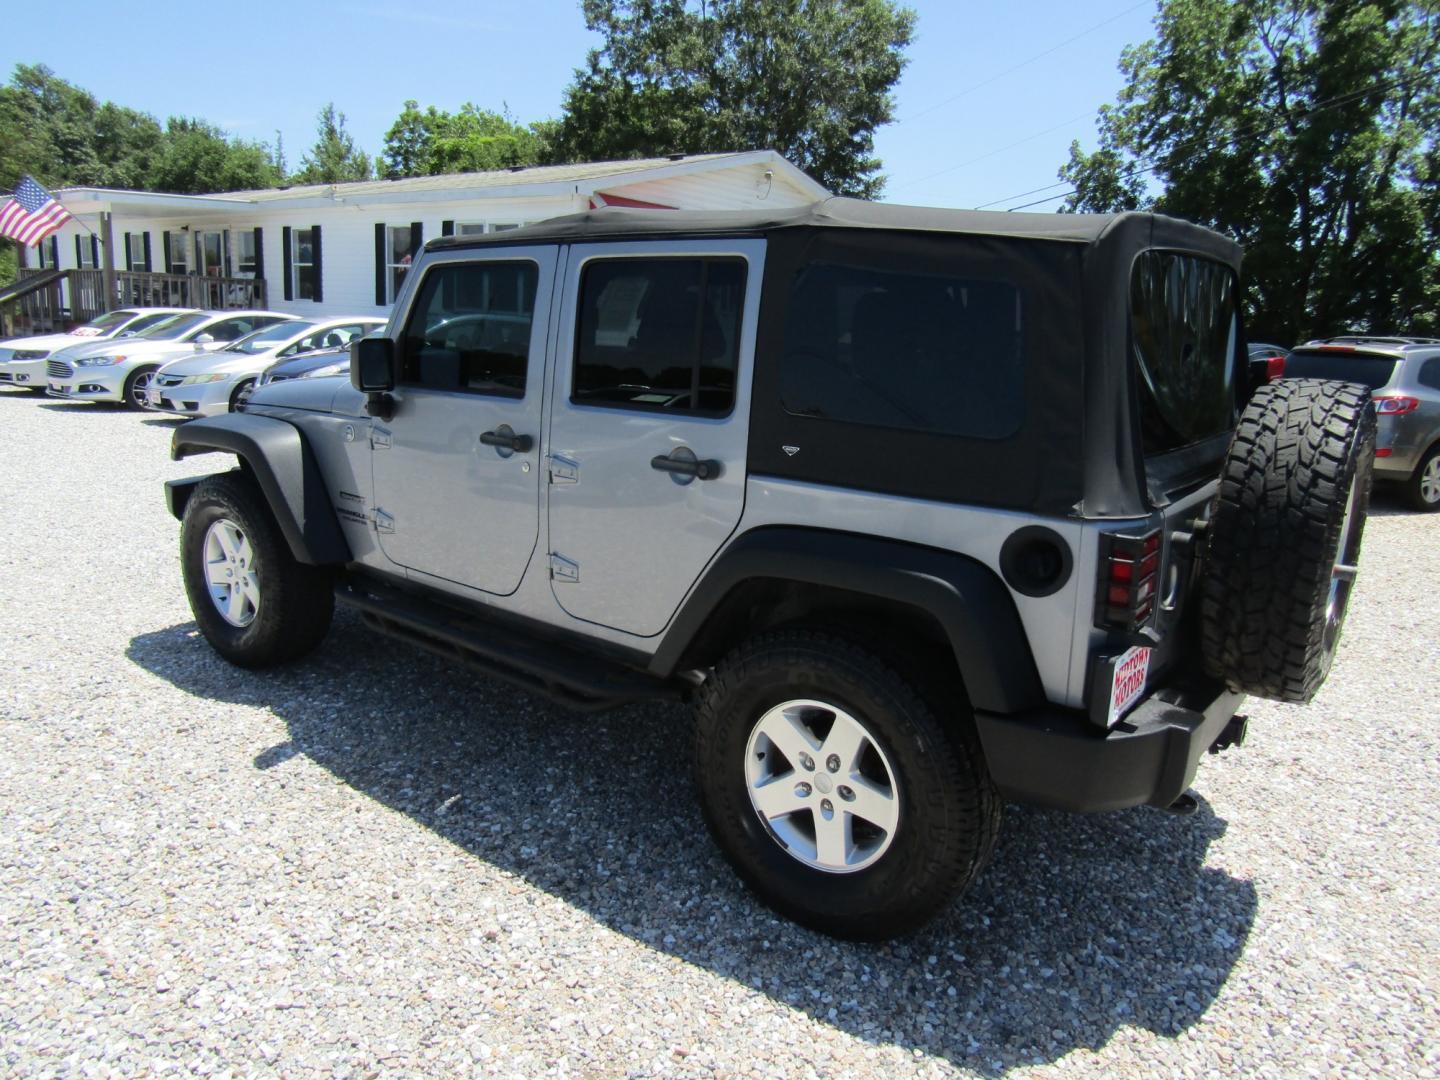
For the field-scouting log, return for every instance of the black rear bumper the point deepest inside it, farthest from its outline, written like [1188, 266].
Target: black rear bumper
[1058, 758]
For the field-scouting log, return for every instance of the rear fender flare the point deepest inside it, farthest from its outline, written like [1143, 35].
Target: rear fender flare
[964, 596]
[276, 454]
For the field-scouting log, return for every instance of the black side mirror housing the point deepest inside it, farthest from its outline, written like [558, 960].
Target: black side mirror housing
[372, 365]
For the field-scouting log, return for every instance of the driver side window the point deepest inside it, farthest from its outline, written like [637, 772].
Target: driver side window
[469, 328]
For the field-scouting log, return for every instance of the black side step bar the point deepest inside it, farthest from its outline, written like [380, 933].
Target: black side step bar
[565, 675]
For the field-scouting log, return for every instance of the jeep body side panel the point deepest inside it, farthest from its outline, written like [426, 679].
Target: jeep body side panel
[284, 466]
[970, 603]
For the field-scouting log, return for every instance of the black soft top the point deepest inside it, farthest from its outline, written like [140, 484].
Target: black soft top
[1139, 230]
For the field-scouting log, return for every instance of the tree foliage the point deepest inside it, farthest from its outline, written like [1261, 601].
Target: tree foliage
[809, 78]
[334, 159]
[433, 142]
[1307, 130]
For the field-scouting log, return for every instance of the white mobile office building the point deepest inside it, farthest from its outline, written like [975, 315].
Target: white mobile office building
[344, 248]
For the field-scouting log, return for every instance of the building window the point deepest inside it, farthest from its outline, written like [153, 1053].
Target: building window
[398, 257]
[136, 251]
[85, 253]
[210, 254]
[469, 228]
[178, 262]
[659, 334]
[302, 262]
[245, 261]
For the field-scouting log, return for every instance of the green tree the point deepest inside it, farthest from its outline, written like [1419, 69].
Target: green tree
[334, 159]
[433, 142]
[1307, 130]
[809, 78]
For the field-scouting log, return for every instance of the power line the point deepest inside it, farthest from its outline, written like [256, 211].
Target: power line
[992, 153]
[1025, 63]
[1338, 101]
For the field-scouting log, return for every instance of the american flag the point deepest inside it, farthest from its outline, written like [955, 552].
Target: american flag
[31, 214]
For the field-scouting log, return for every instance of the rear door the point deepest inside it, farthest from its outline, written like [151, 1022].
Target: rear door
[649, 422]
[455, 469]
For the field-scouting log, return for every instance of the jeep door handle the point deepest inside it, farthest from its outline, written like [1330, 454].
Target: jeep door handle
[521, 444]
[700, 470]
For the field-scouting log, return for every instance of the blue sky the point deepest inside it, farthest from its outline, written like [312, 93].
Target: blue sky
[986, 109]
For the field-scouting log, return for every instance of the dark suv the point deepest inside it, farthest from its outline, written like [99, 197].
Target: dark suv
[923, 510]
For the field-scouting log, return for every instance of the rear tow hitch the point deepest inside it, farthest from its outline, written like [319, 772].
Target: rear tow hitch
[1184, 806]
[1233, 735]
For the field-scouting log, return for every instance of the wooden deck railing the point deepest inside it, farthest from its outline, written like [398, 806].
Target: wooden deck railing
[79, 296]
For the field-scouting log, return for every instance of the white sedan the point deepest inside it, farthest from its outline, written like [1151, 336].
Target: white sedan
[212, 383]
[22, 359]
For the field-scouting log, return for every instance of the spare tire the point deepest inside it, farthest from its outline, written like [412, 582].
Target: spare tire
[1284, 537]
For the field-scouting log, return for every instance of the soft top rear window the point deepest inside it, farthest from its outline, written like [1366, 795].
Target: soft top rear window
[1184, 331]
[1371, 371]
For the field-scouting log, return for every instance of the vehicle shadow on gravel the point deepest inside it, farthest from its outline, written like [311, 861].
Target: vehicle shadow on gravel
[1080, 926]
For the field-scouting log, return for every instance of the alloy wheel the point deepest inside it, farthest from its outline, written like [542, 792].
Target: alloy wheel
[230, 573]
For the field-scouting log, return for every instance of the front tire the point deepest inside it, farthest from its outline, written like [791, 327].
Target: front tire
[136, 385]
[241, 394]
[255, 603]
[1423, 487]
[835, 790]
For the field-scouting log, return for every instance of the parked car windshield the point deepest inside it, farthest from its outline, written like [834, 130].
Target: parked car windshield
[104, 322]
[1372, 371]
[174, 326]
[1183, 327]
[269, 337]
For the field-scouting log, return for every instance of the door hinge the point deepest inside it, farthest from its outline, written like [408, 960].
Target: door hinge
[383, 522]
[563, 470]
[379, 438]
[562, 569]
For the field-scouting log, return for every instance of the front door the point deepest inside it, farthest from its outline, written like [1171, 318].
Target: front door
[457, 468]
[649, 421]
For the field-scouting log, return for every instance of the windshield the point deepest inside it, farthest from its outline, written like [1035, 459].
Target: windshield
[1184, 326]
[1372, 371]
[104, 322]
[269, 337]
[173, 326]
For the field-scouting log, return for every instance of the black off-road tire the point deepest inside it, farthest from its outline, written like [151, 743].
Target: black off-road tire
[296, 601]
[949, 809]
[1296, 485]
[1415, 486]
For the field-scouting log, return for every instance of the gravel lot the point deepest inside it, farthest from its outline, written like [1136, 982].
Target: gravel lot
[372, 863]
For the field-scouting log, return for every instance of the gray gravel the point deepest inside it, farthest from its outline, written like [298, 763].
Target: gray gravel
[371, 863]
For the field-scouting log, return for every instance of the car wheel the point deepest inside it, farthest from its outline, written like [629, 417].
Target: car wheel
[254, 602]
[835, 790]
[136, 386]
[241, 394]
[1284, 537]
[1423, 486]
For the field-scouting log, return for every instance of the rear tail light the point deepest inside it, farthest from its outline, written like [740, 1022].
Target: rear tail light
[1395, 404]
[1274, 368]
[1129, 571]
[1383, 451]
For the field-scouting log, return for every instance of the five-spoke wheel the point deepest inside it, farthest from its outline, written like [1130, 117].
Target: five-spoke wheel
[230, 570]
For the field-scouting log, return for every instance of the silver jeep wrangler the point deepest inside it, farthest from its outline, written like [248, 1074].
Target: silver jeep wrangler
[923, 510]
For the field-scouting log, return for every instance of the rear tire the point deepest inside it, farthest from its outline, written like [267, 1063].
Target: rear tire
[1284, 537]
[254, 602]
[923, 777]
[1423, 487]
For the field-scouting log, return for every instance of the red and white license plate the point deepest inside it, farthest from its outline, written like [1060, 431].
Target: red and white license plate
[1127, 685]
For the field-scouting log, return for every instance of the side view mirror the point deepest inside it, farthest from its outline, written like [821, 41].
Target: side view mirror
[202, 340]
[372, 365]
[126, 333]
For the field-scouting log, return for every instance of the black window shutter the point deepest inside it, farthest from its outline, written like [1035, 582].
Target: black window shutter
[285, 260]
[319, 269]
[148, 264]
[417, 239]
[129, 262]
[447, 228]
[165, 243]
[259, 253]
[79, 256]
[55, 252]
[380, 300]
[95, 251]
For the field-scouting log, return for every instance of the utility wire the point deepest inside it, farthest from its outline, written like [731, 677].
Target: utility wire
[992, 153]
[1338, 101]
[1024, 63]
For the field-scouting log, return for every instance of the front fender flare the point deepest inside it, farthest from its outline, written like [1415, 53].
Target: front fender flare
[968, 600]
[276, 454]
